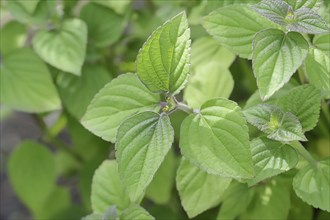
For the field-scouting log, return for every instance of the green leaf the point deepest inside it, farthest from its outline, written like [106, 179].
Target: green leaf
[303, 20]
[107, 189]
[199, 190]
[303, 3]
[275, 123]
[304, 102]
[217, 140]
[31, 169]
[235, 26]
[94, 216]
[26, 84]
[205, 50]
[317, 68]
[77, 92]
[271, 158]
[271, 201]
[163, 62]
[237, 193]
[209, 82]
[12, 37]
[160, 188]
[119, 99]
[135, 212]
[143, 141]
[28, 5]
[64, 48]
[276, 57]
[119, 7]
[312, 184]
[299, 209]
[322, 42]
[104, 25]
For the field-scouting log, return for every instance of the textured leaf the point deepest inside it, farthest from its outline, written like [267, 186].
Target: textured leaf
[199, 190]
[304, 102]
[271, 201]
[322, 42]
[303, 3]
[273, 121]
[217, 141]
[104, 25]
[303, 20]
[94, 216]
[276, 57]
[64, 48]
[205, 50]
[119, 99]
[77, 92]
[163, 62]
[12, 37]
[312, 185]
[143, 141]
[160, 188]
[317, 66]
[107, 189]
[26, 84]
[237, 193]
[209, 82]
[118, 6]
[135, 212]
[271, 158]
[31, 170]
[235, 26]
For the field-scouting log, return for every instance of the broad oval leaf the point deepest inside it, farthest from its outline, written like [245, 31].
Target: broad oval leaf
[78, 91]
[143, 141]
[104, 25]
[135, 212]
[26, 83]
[199, 190]
[276, 57]
[312, 184]
[118, 100]
[217, 140]
[163, 62]
[210, 81]
[234, 26]
[271, 158]
[317, 66]
[275, 123]
[304, 102]
[28, 161]
[13, 36]
[64, 48]
[107, 188]
[322, 42]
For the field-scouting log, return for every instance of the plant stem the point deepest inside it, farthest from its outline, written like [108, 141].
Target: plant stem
[184, 108]
[301, 74]
[304, 153]
[48, 137]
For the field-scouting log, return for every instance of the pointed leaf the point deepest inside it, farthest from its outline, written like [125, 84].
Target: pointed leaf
[271, 158]
[77, 92]
[273, 121]
[210, 81]
[143, 141]
[163, 62]
[107, 188]
[119, 99]
[304, 102]
[317, 66]
[28, 161]
[135, 212]
[199, 190]
[64, 48]
[26, 84]
[217, 140]
[235, 26]
[312, 185]
[276, 57]
[322, 42]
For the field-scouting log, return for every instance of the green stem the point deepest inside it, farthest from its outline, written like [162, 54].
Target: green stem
[301, 75]
[48, 137]
[303, 152]
[184, 108]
